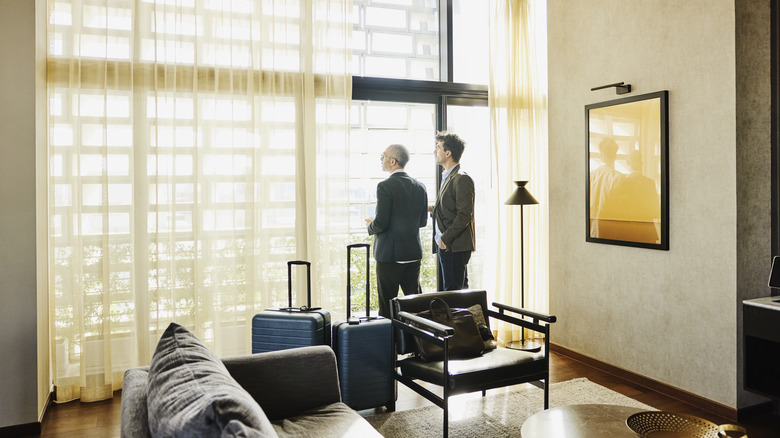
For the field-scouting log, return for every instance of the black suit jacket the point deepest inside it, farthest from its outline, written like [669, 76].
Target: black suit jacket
[401, 210]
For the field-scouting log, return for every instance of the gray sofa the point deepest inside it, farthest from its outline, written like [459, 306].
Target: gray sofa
[187, 391]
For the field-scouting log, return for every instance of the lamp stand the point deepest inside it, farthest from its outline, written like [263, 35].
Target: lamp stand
[523, 344]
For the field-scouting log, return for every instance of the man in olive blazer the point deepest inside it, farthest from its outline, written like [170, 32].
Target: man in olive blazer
[453, 214]
[401, 210]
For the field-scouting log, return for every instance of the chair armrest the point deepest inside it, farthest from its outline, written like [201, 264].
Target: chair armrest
[439, 330]
[426, 329]
[534, 315]
[431, 331]
[531, 325]
[277, 380]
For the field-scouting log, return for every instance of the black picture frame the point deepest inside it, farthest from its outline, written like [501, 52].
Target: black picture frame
[627, 161]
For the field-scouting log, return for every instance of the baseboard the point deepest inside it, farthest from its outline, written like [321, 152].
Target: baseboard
[677, 393]
[46, 405]
[21, 430]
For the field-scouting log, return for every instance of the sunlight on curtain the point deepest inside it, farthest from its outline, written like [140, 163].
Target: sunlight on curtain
[517, 97]
[194, 147]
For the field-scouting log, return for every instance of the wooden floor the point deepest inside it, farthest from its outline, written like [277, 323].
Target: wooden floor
[102, 419]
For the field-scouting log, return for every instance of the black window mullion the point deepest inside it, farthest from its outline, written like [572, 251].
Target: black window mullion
[445, 40]
[405, 90]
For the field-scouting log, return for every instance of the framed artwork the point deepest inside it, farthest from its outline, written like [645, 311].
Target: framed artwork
[627, 193]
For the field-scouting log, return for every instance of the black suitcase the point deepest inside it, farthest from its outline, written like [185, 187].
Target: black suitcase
[365, 353]
[291, 327]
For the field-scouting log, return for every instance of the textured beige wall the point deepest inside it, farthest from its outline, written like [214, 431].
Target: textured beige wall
[667, 315]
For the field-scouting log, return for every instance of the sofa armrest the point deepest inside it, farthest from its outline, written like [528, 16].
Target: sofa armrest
[135, 422]
[288, 382]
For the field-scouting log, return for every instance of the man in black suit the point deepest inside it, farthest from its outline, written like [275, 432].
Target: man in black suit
[453, 214]
[401, 211]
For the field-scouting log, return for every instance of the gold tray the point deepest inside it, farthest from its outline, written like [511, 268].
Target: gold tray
[658, 424]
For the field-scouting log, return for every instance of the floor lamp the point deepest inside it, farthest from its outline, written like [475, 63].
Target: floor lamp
[521, 196]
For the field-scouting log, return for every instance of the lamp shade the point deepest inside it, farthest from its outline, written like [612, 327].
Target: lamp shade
[521, 195]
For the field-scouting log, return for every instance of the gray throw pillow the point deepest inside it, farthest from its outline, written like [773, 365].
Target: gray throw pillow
[191, 393]
[484, 330]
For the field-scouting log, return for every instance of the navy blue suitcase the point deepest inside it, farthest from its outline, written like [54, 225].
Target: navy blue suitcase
[365, 353]
[291, 327]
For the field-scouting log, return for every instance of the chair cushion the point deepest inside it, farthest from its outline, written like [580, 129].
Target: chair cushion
[496, 368]
[192, 394]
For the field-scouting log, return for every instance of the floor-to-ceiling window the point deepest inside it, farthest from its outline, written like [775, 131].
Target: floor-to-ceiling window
[195, 146]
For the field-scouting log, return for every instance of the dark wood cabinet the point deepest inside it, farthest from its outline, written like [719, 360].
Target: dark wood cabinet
[761, 330]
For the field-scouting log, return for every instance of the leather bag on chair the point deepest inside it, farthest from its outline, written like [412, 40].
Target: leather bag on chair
[467, 342]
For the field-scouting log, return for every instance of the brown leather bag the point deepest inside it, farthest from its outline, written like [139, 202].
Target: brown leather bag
[467, 342]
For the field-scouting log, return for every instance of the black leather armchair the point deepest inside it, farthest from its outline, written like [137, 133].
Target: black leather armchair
[493, 369]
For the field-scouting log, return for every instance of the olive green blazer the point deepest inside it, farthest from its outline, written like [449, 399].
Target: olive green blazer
[454, 212]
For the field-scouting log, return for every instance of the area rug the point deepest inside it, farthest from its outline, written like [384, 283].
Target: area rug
[499, 414]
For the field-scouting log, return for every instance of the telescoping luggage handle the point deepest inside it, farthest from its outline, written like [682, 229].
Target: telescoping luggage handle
[304, 308]
[368, 282]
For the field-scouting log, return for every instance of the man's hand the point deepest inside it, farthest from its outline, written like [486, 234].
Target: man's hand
[442, 245]
[368, 221]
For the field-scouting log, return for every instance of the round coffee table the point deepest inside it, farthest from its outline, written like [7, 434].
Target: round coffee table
[580, 421]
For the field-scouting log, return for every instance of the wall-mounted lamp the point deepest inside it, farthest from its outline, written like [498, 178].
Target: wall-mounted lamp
[620, 87]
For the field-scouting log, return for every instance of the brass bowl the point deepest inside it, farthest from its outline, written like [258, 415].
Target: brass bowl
[659, 424]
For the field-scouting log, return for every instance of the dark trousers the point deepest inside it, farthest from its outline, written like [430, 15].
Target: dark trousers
[391, 275]
[454, 272]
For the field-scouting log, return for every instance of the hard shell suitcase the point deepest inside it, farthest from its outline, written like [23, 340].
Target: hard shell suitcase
[291, 327]
[365, 353]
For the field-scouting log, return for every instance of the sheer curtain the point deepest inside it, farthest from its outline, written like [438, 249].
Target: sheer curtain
[194, 147]
[517, 96]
